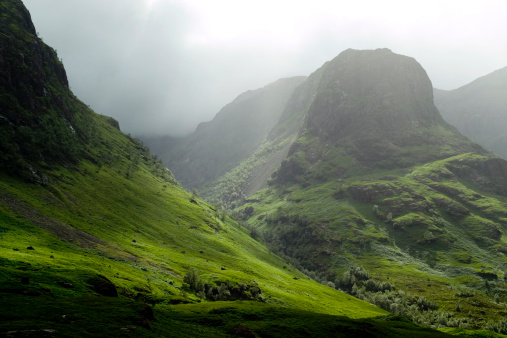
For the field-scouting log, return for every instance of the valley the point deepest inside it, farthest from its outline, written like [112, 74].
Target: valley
[339, 204]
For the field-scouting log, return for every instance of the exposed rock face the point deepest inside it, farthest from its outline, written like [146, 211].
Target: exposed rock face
[373, 92]
[21, 50]
[40, 119]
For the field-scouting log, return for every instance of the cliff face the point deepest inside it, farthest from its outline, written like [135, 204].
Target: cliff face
[374, 92]
[28, 67]
[41, 122]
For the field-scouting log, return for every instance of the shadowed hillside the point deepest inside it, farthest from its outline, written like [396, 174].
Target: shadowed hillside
[479, 110]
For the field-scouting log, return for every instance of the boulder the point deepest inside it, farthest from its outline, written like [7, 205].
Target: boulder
[103, 286]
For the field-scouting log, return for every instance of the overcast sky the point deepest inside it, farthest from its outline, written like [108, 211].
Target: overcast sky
[163, 66]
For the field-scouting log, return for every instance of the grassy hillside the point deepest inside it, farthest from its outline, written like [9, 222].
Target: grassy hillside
[98, 239]
[126, 223]
[141, 232]
[435, 231]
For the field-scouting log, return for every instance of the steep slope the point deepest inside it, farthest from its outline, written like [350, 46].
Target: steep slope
[40, 120]
[479, 110]
[106, 243]
[377, 178]
[234, 134]
[254, 172]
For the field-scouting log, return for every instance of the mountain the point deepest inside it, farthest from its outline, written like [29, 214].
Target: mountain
[377, 188]
[40, 120]
[479, 110]
[98, 239]
[233, 135]
[358, 105]
[373, 108]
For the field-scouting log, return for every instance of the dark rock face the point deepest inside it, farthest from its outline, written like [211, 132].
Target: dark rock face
[21, 50]
[375, 91]
[40, 119]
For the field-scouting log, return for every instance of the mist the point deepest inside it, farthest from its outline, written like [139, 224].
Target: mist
[163, 66]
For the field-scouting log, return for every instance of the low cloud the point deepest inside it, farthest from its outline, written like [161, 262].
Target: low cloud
[162, 66]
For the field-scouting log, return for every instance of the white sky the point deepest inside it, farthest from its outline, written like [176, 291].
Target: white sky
[163, 66]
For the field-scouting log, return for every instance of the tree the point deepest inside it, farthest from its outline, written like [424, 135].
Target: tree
[192, 278]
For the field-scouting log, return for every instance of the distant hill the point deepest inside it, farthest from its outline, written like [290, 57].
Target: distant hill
[233, 135]
[479, 110]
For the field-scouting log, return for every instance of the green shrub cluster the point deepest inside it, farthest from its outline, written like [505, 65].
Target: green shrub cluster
[221, 290]
[357, 282]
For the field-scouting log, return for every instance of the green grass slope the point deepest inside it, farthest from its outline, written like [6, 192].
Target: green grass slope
[143, 233]
[436, 231]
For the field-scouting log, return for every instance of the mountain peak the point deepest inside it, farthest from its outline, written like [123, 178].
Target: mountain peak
[369, 109]
[372, 91]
